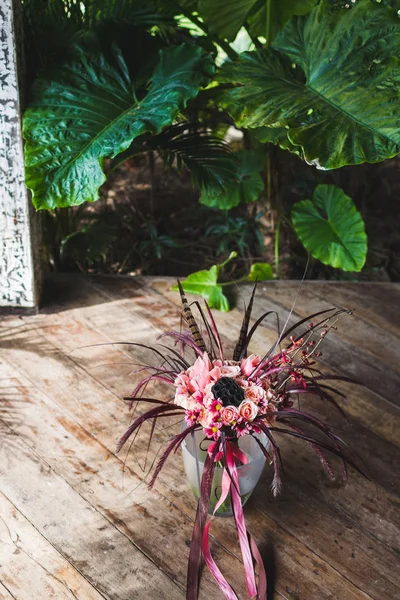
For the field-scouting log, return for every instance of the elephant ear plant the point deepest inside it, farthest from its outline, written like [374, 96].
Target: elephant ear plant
[320, 79]
[226, 399]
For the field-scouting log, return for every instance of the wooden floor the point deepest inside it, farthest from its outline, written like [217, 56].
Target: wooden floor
[74, 521]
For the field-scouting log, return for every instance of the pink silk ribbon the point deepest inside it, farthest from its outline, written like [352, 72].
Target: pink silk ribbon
[230, 483]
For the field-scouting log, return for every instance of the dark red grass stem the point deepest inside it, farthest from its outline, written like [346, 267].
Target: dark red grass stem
[178, 439]
[240, 351]
[153, 412]
[254, 328]
[216, 332]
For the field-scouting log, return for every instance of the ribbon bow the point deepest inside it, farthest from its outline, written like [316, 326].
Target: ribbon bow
[249, 550]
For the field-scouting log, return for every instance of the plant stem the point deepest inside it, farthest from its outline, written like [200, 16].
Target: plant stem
[269, 176]
[277, 232]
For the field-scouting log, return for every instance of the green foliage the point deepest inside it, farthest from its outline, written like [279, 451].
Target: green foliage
[331, 228]
[205, 283]
[235, 232]
[211, 164]
[268, 24]
[331, 79]
[260, 272]
[245, 188]
[227, 18]
[89, 245]
[89, 111]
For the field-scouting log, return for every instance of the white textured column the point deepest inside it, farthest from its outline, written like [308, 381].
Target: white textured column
[18, 277]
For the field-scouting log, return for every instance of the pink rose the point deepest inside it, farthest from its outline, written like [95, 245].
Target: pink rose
[248, 410]
[254, 393]
[227, 368]
[206, 419]
[248, 364]
[230, 370]
[229, 415]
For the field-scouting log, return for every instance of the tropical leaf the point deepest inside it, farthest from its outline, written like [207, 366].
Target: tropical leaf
[211, 164]
[205, 283]
[245, 189]
[280, 13]
[225, 18]
[277, 136]
[88, 111]
[331, 228]
[260, 272]
[332, 79]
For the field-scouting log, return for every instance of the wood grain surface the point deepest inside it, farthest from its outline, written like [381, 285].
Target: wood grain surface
[77, 521]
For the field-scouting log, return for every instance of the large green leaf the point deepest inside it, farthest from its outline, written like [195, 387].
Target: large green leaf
[89, 111]
[246, 188]
[281, 11]
[332, 80]
[331, 228]
[205, 283]
[260, 272]
[226, 18]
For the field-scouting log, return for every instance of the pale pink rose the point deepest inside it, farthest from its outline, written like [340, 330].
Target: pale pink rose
[248, 364]
[181, 400]
[248, 410]
[254, 393]
[229, 415]
[206, 419]
[227, 368]
[230, 370]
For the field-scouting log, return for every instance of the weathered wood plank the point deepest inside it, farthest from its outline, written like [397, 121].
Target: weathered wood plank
[101, 482]
[298, 544]
[4, 593]
[32, 568]
[143, 517]
[66, 344]
[107, 559]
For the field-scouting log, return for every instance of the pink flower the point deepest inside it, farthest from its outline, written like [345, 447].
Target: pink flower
[181, 399]
[230, 370]
[199, 373]
[248, 410]
[229, 415]
[255, 393]
[248, 364]
[208, 399]
[227, 368]
[207, 419]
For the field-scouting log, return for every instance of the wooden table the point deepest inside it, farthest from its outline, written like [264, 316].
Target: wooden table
[74, 521]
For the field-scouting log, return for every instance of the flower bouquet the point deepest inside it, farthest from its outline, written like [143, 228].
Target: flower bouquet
[232, 410]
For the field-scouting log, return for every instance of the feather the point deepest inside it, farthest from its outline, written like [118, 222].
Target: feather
[191, 321]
